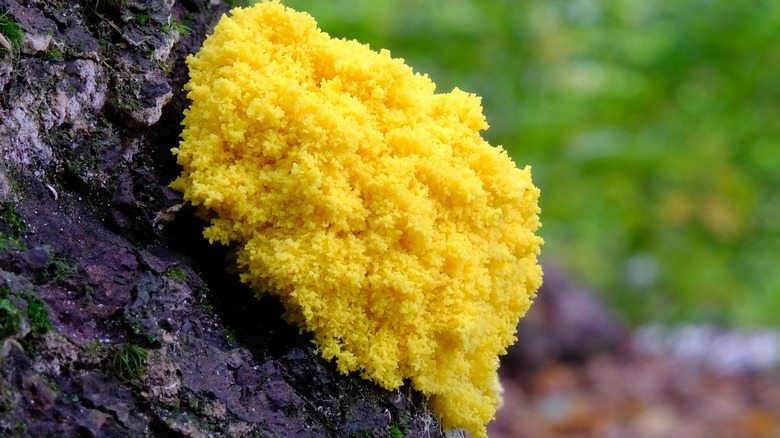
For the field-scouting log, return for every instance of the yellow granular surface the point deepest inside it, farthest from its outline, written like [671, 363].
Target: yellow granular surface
[367, 203]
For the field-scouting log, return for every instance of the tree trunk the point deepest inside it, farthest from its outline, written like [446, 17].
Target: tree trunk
[116, 317]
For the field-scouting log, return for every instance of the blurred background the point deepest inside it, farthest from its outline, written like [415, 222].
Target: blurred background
[653, 129]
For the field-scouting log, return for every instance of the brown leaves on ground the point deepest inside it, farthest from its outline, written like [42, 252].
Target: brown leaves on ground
[574, 374]
[634, 396]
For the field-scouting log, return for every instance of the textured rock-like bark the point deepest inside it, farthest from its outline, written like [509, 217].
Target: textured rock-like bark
[116, 317]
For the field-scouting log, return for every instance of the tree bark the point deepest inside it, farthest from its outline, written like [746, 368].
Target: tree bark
[116, 317]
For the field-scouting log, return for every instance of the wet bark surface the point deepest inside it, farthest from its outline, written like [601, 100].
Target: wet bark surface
[116, 317]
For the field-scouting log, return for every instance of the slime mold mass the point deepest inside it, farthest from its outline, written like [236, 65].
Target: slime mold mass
[367, 203]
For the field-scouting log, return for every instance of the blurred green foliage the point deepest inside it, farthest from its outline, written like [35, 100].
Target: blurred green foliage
[653, 129]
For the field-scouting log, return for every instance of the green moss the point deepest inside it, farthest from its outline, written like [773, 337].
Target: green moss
[181, 29]
[19, 429]
[54, 386]
[93, 352]
[399, 427]
[10, 319]
[82, 164]
[54, 54]
[8, 398]
[89, 292]
[193, 403]
[13, 219]
[38, 313]
[61, 269]
[176, 273]
[142, 19]
[129, 362]
[8, 242]
[206, 304]
[126, 95]
[11, 30]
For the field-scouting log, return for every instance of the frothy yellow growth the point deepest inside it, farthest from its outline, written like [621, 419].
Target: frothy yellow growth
[368, 204]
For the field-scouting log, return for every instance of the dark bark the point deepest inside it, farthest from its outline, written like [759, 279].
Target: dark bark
[150, 333]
